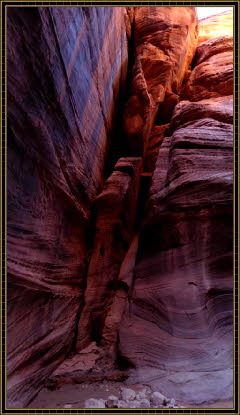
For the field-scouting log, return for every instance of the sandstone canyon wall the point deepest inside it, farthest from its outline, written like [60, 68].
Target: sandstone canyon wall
[177, 329]
[147, 292]
[66, 77]
[164, 44]
[151, 25]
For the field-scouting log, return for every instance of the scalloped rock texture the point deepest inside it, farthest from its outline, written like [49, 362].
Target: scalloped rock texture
[98, 287]
[177, 328]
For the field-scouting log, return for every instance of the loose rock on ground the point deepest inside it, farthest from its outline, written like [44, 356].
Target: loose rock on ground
[144, 398]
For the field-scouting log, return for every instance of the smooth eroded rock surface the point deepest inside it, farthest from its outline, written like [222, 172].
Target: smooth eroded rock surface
[66, 76]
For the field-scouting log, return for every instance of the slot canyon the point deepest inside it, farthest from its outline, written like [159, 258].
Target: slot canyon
[119, 207]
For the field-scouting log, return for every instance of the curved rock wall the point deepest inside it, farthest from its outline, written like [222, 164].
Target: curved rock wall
[66, 76]
[177, 328]
[213, 74]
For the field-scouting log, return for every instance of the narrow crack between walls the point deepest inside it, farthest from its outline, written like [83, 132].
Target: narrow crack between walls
[116, 150]
[115, 138]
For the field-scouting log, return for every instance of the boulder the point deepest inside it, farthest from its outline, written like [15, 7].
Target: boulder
[128, 394]
[144, 403]
[122, 404]
[157, 399]
[94, 403]
[112, 402]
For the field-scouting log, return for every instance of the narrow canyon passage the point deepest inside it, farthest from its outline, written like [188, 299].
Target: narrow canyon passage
[120, 204]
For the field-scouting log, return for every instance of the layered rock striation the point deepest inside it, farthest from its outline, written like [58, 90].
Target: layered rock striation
[213, 74]
[177, 329]
[66, 77]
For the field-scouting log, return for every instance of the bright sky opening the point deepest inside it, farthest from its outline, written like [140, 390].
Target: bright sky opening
[210, 11]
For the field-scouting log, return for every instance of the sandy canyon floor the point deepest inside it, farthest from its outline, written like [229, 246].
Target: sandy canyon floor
[76, 395]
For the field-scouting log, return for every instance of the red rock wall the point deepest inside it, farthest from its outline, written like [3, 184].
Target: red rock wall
[177, 327]
[66, 75]
[165, 39]
[169, 270]
[115, 219]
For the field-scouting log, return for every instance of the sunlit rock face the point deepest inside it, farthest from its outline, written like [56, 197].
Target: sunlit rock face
[177, 327]
[216, 26]
[164, 39]
[213, 74]
[66, 76]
